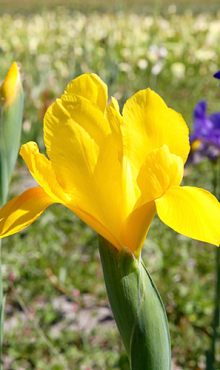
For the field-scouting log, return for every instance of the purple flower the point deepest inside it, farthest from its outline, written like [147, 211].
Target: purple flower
[205, 139]
[217, 75]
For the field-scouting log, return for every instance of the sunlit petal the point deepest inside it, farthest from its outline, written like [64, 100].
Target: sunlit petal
[149, 124]
[67, 111]
[87, 115]
[22, 210]
[101, 207]
[91, 87]
[88, 170]
[192, 212]
[115, 121]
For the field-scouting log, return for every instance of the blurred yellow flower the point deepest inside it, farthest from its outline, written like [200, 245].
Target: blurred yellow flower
[114, 171]
[10, 86]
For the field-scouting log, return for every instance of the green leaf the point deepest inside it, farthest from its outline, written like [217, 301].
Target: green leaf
[10, 134]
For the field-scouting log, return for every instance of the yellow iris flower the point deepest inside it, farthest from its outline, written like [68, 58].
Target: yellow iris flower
[114, 171]
[10, 86]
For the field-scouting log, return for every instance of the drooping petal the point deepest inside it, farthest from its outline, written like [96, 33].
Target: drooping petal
[22, 210]
[192, 212]
[136, 226]
[160, 170]
[91, 87]
[42, 171]
[148, 124]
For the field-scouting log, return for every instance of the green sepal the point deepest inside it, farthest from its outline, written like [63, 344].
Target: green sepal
[137, 307]
[10, 135]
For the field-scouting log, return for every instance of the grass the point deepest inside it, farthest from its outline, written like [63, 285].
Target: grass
[52, 270]
[88, 6]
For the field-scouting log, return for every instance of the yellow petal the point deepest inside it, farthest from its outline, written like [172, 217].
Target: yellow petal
[73, 154]
[85, 160]
[22, 210]
[10, 86]
[108, 187]
[131, 192]
[91, 87]
[192, 212]
[87, 115]
[149, 124]
[98, 200]
[42, 171]
[96, 225]
[68, 110]
[160, 170]
[136, 226]
[115, 121]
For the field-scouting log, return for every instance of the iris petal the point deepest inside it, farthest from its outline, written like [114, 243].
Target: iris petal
[22, 210]
[67, 111]
[192, 212]
[42, 171]
[148, 124]
[91, 87]
[136, 226]
[160, 171]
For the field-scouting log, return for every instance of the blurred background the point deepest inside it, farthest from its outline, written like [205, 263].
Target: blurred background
[57, 314]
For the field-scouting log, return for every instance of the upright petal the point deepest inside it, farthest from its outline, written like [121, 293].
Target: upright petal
[192, 212]
[115, 121]
[22, 210]
[85, 159]
[97, 196]
[68, 110]
[87, 115]
[200, 110]
[148, 124]
[90, 87]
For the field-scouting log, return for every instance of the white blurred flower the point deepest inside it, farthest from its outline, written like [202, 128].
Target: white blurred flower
[203, 55]
[178, 70]
[172, 9]
[155, 52]
[142, 64]
[124, 67]
[157, 68]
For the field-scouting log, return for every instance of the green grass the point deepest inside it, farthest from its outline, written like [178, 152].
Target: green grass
[88, 6]
[57, 257]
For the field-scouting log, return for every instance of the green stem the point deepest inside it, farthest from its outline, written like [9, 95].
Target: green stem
[137, 307]
[1, 311]
[3, 195]
[211, 353]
